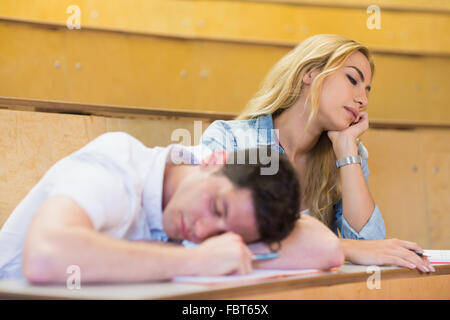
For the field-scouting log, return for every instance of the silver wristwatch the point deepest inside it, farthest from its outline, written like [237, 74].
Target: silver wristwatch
[348, 160]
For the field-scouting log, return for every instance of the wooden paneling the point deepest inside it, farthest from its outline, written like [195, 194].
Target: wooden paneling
[436, 150]
[163, 73]
[30, 143]
[397, 183]
[410, 181]
[251, 21]
[410, 89]
[403, 5]
[131, 70]
[435, 288]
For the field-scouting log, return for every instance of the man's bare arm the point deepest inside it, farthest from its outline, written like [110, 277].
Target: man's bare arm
[61, 234]
[310, 245]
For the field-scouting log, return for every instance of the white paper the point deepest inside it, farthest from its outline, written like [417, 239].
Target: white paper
[438, 256]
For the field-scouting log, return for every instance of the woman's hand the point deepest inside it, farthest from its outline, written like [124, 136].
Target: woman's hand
[344, 142]
[385, 252]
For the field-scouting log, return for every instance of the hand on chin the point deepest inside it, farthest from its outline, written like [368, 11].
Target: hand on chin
[344, 141]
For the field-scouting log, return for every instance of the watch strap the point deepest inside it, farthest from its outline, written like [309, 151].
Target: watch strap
[348, 160]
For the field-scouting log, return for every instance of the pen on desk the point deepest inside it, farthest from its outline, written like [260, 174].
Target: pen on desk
[265, 256]
[420, 254]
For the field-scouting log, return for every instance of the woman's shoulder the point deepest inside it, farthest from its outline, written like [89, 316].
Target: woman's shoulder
[231, 125]
[221, 134]
[238, 127]
[236, 134]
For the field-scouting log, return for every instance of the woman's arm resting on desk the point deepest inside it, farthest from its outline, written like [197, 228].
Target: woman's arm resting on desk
[310, 245]
[385, 252]
[61, 234]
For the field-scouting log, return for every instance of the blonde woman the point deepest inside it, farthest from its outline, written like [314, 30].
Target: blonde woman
[312, 107]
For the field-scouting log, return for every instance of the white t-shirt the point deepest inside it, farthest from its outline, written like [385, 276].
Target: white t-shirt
[115, 179]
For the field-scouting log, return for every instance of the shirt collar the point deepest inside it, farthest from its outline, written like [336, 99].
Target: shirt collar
[153, 190]
[266, 132]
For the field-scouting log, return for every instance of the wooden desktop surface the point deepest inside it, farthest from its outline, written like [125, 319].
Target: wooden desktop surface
[350, 282]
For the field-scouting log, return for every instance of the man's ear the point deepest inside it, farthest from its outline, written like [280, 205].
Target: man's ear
[309, 76]
[214, 159]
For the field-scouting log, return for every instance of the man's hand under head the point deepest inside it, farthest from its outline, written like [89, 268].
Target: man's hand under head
[219, 255]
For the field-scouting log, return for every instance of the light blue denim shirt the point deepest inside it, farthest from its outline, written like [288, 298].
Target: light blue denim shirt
[242, 134]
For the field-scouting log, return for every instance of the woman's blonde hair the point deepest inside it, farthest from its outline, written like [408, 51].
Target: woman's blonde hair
[280, 90]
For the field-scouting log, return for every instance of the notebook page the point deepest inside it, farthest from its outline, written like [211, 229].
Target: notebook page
[438, 256]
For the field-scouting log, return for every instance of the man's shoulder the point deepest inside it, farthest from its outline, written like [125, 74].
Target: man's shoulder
[113, 143]
[115, 138]
[114, 151]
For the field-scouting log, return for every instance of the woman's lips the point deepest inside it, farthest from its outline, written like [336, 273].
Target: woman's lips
[352, 112]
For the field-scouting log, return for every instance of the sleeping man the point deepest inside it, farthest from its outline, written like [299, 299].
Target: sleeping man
[109, 207]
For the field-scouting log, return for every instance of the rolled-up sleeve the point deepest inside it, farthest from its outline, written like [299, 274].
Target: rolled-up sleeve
[374, 229]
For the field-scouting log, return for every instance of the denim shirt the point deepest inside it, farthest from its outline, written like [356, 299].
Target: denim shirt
[241, 134]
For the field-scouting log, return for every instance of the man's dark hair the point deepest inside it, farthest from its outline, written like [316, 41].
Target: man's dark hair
[276, 197]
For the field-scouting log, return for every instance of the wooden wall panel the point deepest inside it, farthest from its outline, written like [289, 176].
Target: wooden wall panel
[409, 88]
[30, 143]
[436, 150]
[250, 21]
[402, 289]
[397, 183]
[130, 70]
[406, 5]
[163, 73]
[438, 198]
[9, 166]
[28, 66]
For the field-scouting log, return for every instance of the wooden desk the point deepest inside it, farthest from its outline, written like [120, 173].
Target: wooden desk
[350, 282]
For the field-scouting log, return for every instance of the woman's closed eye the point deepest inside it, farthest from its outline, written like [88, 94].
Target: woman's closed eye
[352, 80]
